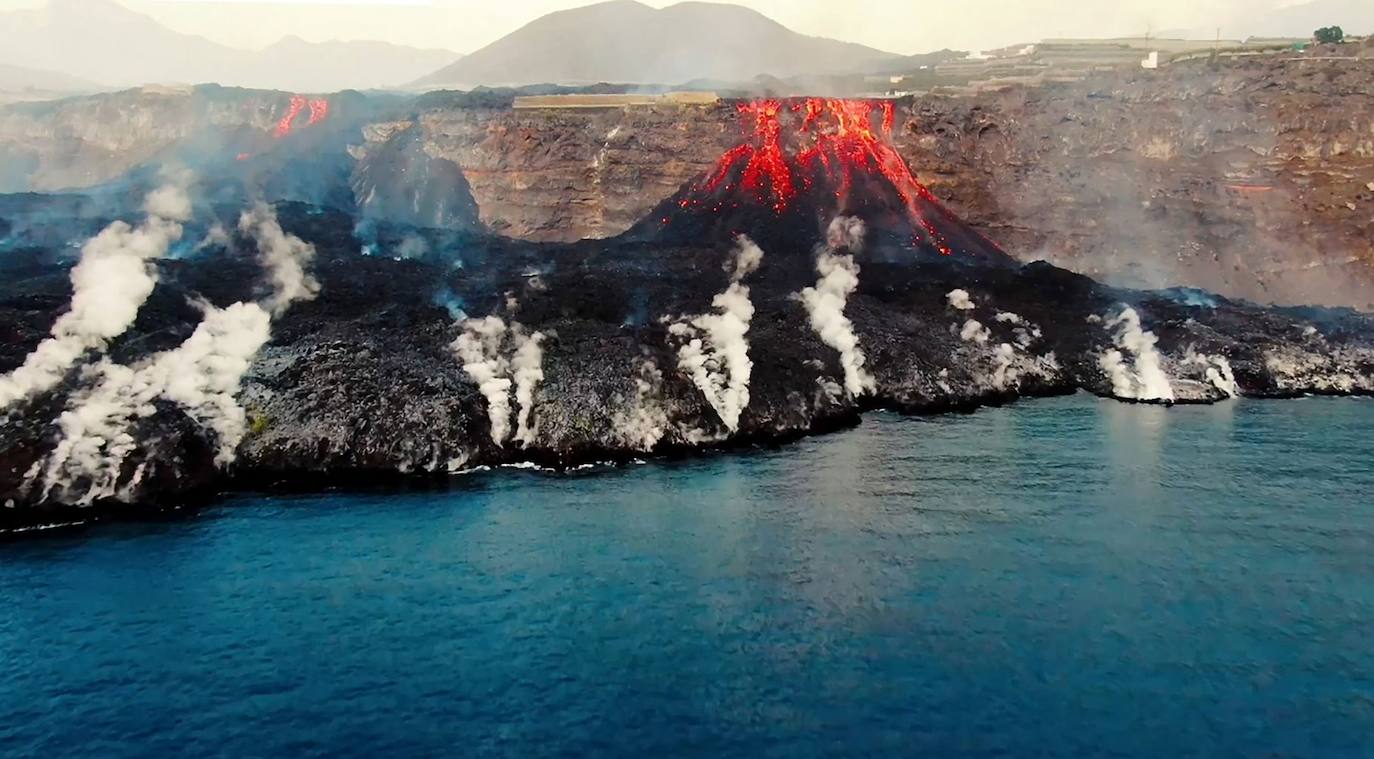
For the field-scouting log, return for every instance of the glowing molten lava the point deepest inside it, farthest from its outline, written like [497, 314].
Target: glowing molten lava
[319, 111]
[834, 148]
[292, 111]
[765, 166]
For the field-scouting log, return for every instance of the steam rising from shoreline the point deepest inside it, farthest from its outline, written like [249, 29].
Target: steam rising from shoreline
[825, 303]
[1217, 370]
[109, 285]
[644, 424]
[1144, 378]
[479, 348]
[715, 354]
[202, 376]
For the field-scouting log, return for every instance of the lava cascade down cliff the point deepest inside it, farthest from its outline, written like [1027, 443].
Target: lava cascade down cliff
[804, 161]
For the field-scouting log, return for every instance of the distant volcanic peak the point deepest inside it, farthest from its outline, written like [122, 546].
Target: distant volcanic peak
[821, 146]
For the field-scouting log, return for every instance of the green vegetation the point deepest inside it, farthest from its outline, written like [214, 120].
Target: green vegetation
[1330, 35]
[257, 423]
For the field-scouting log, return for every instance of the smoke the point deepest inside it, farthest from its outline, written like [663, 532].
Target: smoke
[413, 246]
[451, 302]
[644, 424]
[109, 285]
[528, 365]
[170, 201]
[960, 300]
[1003, 374]
[1191, 296]
[715, 354]
[748, 258]
[973, 331]
[480, 349]
[202, 376]
[284, 256]
[1008, 365]
[214, 237]
[1144, 378]
[845, 233]
[1217, 370]
[839, 278]
[1025, 332]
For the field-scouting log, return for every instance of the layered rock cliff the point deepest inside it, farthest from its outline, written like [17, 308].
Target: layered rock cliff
[1251, 177]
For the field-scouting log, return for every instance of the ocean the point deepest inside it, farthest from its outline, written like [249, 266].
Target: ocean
[1059, 577]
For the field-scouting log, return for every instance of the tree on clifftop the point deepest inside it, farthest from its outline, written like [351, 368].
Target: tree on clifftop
[1330, 35]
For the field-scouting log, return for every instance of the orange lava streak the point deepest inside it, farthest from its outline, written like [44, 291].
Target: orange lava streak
[298, 104]
[319, 111]
[765, 171]
[834, 141]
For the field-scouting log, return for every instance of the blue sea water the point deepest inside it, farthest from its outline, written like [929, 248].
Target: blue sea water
[1061, 577]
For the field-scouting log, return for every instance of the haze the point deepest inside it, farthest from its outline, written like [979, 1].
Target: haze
[900, 26]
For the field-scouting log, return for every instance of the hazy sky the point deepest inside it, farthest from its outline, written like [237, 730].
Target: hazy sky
[902, 26]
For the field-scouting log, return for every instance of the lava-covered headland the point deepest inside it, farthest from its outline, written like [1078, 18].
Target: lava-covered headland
[190, 340]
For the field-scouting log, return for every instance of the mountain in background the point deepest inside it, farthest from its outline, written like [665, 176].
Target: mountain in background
[629, 42]
[102, 41]
[329, 66]
[21, 79]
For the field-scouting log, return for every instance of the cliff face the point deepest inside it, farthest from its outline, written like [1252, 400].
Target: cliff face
[571, 174]
[1253, 178]
[80, 142]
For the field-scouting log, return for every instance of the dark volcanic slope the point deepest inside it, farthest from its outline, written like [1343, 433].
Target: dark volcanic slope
[803, 162]
[827, 284]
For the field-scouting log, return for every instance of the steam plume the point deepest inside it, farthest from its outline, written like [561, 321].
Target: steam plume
[109, 285]
[284, 256]
[646, 422]
[1217, 370]
[839, 278]
[973, 331]
[1025, 332]
[960, 300]
[845, 233]
[203, 376]
[528, 364]
[1144, 379]
[480, 349]
[716, 354]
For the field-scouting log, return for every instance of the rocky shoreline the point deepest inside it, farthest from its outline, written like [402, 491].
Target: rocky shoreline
[200, 345]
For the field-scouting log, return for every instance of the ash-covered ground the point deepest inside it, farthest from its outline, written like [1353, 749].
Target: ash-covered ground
[165, 339]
